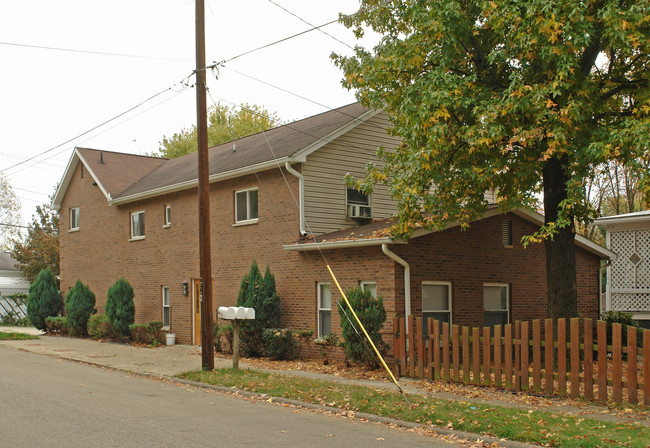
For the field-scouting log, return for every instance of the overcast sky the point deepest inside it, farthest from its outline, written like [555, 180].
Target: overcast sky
[50, 96]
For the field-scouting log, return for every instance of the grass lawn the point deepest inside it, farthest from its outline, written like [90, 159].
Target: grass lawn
[541, 427]
[15, 336]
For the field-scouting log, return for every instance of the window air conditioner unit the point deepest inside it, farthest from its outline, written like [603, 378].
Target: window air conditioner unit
[357, 211]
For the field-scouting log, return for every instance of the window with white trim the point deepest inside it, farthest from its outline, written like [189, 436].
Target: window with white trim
[436, 302]
[496, 304]
[324, 309]
[137, 225]
[370, 286]
[246, 206]
[74, 218]
[168, 216]
[166, 316]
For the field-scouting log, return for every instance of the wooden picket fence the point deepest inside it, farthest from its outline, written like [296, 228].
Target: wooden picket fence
[530, 356]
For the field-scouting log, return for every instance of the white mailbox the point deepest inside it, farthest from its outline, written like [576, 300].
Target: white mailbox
[236, 313]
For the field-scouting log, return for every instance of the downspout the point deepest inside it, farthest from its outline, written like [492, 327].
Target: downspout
[301, 196]
[407, 278]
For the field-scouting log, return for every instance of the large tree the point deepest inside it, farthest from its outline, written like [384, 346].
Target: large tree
[9, 213]
[39, 249]
[224, 124]
[521, 96]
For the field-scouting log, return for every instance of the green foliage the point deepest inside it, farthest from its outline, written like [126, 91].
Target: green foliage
[259, 293]
[39, 249]
[150, 333]
[516, 96]
[279, 343]
[224, 124]
[44, 299]
[223, 338]
[626, 320]
[119, 307]
[99, 327]
[372, 315]
[327, 345]
[79, 305]
[305, 338]
[56, 325]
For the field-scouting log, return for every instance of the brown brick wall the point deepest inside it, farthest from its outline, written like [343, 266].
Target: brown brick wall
[100, 252]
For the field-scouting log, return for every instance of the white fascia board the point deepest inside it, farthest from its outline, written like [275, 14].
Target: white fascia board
[643, 216]
[67, 177]
[195, 182]
[301, 155]
[341, 244]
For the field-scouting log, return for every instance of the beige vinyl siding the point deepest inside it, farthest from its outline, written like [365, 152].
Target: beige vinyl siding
[325, 169]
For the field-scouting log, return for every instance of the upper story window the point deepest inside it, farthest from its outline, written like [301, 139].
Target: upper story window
[246, 206]
[137, 225]
[358, 204]
[168, 216]
[74, 218]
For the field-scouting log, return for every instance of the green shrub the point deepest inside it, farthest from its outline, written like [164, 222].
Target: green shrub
[119, 307]
[140, 333]
[56, 324]
[99, 327]
[79, 305]
[223, 339]
[626, 320]
[150, 333]
[278, 343]
[259, 293]
[327, 344]
[372, 315]
[44, 299]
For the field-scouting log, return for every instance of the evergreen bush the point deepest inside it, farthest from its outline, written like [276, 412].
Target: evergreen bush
[223, 338]
[119, 307]
[372, 314]
[626, 320]
[56, 324]
[259, 293]
[79, 305]
[99, 327]
[279, 343]
[44, 299]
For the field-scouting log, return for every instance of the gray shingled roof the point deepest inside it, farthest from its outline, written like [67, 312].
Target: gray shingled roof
[249, 151]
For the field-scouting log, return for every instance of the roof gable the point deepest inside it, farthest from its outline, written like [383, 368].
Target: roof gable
[112, 171]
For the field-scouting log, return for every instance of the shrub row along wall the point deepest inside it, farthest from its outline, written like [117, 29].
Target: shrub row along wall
[530, 356]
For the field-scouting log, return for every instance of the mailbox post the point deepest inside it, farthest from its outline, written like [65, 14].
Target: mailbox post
[236, 314]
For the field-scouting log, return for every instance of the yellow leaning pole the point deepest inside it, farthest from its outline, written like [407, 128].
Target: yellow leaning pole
[365, 332]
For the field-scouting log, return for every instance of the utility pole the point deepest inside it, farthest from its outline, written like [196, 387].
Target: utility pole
[205, 259]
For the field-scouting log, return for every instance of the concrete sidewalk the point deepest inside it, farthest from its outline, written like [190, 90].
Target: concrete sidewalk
[169, 361]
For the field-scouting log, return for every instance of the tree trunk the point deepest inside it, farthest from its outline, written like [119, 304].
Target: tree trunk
[562, 289]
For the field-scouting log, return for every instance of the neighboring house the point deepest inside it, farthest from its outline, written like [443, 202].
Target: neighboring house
[11, 279]
[279, 198]
[628, 275]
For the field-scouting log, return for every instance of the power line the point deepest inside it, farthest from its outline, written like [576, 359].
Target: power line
[103, 53]
[275, 43]
[88, 131]
[310, 24]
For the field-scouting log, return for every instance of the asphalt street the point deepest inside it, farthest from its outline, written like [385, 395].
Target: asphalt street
[47, 401]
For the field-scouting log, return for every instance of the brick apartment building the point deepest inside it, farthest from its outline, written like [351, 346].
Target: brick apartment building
[279, 198]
